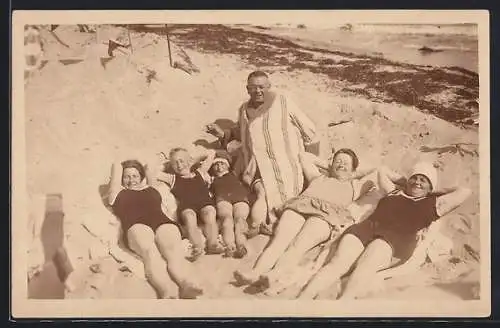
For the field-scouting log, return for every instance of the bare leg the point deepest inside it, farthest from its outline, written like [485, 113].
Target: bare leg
[225, 216]
[346, 254]
[189, 219]
[240, 214]
[168, 240]
[377, 256]
[288, 227]
[258, 213]
[141, 240]
[210, 228]
[313, 232]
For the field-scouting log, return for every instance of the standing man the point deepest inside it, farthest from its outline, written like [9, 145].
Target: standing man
[273, 131]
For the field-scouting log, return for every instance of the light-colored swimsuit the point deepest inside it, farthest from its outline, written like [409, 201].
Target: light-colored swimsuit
[326, 198]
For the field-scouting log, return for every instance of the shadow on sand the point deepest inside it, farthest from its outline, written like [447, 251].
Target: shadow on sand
[465, 290]
[46, 285]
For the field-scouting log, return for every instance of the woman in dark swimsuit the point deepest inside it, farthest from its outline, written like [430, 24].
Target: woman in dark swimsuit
[148, 231]
[390, 232]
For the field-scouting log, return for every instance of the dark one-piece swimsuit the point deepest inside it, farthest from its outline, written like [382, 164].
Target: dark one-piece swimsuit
[397, 220]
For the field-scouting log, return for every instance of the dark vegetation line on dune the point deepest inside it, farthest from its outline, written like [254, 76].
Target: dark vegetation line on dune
[405, 87]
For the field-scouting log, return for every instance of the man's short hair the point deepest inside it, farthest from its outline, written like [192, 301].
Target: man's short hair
[255, 74]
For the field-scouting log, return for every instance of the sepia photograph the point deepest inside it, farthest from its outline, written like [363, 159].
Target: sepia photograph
[250, 163]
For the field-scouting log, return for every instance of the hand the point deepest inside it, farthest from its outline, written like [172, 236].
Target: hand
[214, 130]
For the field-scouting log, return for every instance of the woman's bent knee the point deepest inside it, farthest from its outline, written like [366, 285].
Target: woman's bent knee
[168, 235]
[140, 238]
[378, 251]
[168, 231]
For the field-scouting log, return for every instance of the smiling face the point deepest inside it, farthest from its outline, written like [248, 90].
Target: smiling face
[181, 163]
[418, 185]
[257, 87]
[131, 178]
[341, 166]
[220, 168]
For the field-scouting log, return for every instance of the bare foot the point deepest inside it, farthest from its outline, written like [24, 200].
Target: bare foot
[252, 232]
[265, 281]
[245, 278]
[241, 252]
[336, 289]
[189, 290]
[310, 291]
[167, 294]
[215, 249]
[266, 229]
[272, 218]
[195, 254]
[230, 251]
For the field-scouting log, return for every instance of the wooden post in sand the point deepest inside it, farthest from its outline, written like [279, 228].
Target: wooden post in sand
[130, 39]
[168, 43]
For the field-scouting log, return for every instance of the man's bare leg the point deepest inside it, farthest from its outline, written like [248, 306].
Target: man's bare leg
[258, 213]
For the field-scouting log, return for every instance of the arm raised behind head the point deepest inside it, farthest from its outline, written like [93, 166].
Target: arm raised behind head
[388, 180]
[310, 164]
[115, 183]
[450, 198]
[307, 128]
[206, 159]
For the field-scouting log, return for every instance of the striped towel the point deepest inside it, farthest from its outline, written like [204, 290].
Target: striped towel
[271, 142]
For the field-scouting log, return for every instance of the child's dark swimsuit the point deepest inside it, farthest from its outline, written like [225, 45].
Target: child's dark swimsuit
[191, 193]
[397, 220]
[228, 188]
[139, 206]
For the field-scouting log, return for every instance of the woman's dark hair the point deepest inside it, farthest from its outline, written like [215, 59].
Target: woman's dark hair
[132, 163]
[350, 152]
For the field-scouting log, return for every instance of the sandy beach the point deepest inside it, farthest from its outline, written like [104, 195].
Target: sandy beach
[84, 109]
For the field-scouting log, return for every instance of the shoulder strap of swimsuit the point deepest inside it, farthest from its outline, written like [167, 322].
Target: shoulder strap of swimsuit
[173, 181]
[353, 191]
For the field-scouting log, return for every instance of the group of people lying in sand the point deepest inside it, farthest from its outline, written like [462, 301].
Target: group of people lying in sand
[274, 184]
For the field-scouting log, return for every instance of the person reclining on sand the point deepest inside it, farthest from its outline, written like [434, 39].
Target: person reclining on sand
[191, 190]
[148, 231]
[232, 204]
[389, 233]
[272, 130]
[312, 217]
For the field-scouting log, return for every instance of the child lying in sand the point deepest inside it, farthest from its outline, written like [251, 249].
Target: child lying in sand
[389, 233]
[191, 189]
[231, 199]
[148, 231]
